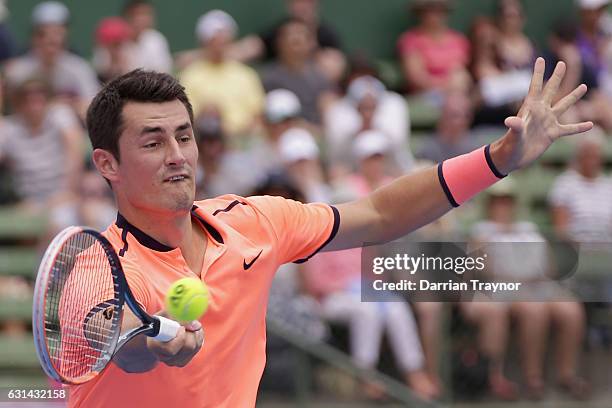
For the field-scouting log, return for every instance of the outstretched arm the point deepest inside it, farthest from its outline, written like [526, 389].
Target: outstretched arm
[421, 197]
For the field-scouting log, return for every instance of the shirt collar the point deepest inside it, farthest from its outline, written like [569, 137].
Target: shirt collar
[151, 243]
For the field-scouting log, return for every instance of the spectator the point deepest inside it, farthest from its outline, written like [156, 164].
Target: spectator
[8, 47]
[515, 50]
[114, 54]
[580, 196]
[563, 45]
[484, 36]
[453, 135]
[96, 207]
[368, 105]
[216, 80]
[501, 84]
[591, 38]
[300, 156]
[548, 304]
[334, 279]
[42, 144]
[327, 52]
[281, 113]
[433, 56]
[70, 76]
[151, 50]
[295, 70]
[220, 170]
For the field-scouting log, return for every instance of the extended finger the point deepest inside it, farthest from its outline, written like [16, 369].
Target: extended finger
[569, 100]
[574, 128]
[553, 84]
[537, 79]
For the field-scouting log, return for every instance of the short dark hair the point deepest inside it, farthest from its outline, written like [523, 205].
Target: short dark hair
[104, 116]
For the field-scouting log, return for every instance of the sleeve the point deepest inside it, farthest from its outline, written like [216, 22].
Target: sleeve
[299, 230]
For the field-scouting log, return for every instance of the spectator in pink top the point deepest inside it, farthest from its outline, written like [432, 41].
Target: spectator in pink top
[432, 54]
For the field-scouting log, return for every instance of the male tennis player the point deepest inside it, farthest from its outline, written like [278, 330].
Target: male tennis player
[140, 126]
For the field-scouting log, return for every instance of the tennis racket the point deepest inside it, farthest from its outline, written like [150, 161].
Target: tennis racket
[78, 307]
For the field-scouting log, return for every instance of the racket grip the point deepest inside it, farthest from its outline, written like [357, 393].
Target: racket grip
[167, 329]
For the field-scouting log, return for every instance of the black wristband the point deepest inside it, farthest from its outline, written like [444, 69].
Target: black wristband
[489, 160]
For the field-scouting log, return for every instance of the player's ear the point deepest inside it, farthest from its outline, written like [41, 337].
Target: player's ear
[106, 163]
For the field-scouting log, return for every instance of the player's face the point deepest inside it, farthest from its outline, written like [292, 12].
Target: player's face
[158, 156]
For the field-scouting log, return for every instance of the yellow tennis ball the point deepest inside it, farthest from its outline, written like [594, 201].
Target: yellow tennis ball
[187, 299]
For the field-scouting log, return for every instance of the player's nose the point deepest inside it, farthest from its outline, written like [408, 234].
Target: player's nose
[174, 154]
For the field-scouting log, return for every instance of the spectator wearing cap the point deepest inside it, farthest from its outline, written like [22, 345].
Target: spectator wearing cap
[542, 303]
[281, 113]
[334, 279]
[300, 157]
[114, 54]
[150, 47]
[70, 76]
[216, 80]
[42, 145]
[368, 105]
[221, 170]
[433, 56]
[295, 70]
[453, 136]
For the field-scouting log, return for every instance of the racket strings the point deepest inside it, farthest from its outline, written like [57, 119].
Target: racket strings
[82, 308]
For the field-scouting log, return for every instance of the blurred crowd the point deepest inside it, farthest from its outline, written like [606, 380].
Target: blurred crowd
[288, 112]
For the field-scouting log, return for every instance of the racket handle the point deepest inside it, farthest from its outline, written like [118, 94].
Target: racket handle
[167, 329]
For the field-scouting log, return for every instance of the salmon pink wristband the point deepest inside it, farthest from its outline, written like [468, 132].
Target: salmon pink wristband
[464, 176]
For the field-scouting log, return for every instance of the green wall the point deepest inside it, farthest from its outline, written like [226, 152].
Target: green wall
[373, 25]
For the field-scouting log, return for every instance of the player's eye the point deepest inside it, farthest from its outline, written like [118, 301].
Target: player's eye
[151, 145]
[185, 138]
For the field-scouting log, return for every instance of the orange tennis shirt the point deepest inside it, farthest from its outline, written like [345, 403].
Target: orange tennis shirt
[248, 239]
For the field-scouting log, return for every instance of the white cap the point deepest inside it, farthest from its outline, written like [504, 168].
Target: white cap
[363, 86]
[50, 12]
[297, 144]
[214, 21]
[281, 104]
[370, 142]
[592, 4]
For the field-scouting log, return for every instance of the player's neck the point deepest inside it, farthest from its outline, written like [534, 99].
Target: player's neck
[171, 229]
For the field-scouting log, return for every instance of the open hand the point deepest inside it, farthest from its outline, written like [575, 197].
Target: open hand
[536, 126]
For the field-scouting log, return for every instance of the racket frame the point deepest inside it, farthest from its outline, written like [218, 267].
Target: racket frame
[150, 324]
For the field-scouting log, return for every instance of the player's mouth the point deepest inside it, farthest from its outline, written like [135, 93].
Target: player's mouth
[177, 178]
